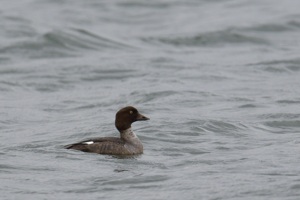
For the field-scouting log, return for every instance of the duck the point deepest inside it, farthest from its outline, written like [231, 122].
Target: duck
[127, 144]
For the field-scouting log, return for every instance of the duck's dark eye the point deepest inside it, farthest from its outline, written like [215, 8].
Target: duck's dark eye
[130, 112]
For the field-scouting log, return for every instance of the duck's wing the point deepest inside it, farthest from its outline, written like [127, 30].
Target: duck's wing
[104, 145]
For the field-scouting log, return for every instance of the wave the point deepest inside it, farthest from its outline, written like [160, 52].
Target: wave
[278, 66]
[62, 43]
[215, 38]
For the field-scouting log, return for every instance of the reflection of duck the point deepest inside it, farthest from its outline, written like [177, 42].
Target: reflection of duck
[127, 144]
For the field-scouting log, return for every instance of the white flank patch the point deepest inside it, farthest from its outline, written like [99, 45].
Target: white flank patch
[89, 142]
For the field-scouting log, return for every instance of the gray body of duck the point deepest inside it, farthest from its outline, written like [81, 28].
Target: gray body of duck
[127, 144]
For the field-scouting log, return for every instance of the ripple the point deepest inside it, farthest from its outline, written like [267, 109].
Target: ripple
[248, 106]
[62, 43]
[279, 66]
[182, 151]
[270, 28]
[153, 96]
[279, 116]
[284, 124]
[223, 127]
[286, 101]
[109, 74]
[211, 39]
[138, 180]
[296, 186]
[275, 27]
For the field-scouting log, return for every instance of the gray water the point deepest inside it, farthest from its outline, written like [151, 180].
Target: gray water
[219, 80]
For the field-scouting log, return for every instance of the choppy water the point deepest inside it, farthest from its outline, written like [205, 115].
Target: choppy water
[219, 80]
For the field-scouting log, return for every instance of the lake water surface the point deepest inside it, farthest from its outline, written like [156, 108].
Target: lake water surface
[220, 81]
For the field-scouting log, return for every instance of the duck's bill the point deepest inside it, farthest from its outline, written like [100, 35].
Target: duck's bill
[141, 117]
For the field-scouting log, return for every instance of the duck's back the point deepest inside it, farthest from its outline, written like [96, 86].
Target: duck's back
[108, 145]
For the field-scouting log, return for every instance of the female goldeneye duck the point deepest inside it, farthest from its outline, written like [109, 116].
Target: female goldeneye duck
[127, 144]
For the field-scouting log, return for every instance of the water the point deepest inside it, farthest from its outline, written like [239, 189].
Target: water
[219, 80]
